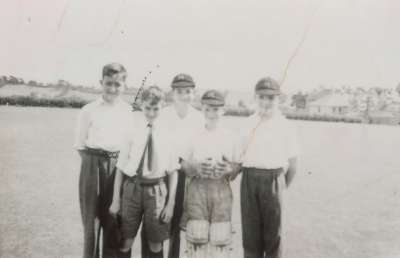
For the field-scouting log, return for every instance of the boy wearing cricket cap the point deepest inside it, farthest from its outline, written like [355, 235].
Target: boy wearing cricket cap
[181, 119]
[146, 159]
[209, 163]
[269, 160]
[98, 141]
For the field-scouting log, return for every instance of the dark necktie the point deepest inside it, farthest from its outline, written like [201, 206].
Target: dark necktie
[148, 150]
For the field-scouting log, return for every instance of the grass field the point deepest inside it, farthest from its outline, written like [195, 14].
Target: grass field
[344, 202]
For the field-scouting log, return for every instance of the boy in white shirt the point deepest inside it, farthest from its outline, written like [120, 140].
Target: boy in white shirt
[147, 158]
[208, 163]
[269, 160]
[181, 119]
[98, 142]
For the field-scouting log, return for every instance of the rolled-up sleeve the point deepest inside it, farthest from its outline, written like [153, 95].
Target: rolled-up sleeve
[123, 158]
[82, 128]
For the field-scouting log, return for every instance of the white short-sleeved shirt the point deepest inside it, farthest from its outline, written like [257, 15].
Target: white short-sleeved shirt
[213, 144]
[100, 125]
[268, 144]
[181, 129]
[165, 157]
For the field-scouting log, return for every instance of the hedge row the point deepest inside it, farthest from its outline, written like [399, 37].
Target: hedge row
[230, 111]
[325, 118]
[42, 102]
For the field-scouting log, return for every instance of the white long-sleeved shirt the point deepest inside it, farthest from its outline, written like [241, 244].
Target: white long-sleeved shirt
[101, 125]
[268, 144]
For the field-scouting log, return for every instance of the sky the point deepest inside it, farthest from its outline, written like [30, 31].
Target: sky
[223, 44]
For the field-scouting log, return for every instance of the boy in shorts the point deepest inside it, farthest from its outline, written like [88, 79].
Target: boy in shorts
[208, 163]
[146, 159]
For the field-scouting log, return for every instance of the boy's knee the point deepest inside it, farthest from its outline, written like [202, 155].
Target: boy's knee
[155, 247]
[221, 233]
[197, 231]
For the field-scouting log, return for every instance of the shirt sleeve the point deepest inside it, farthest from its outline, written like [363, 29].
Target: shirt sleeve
[236, 149]
[82, 128]
[293, 149]
[123, 156]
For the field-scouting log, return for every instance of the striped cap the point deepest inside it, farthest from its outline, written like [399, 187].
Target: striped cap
[267, 86]
[213, 98]
[182, 80]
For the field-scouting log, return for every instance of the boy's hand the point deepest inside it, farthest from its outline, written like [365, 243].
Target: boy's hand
[222, 168]
[235, 172]
[114, 208]
[206, 168]
[166, 214]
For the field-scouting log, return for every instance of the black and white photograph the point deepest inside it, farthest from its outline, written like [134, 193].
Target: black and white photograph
[196, 129]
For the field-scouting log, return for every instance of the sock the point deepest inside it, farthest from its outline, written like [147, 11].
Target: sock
[156, 255]
[124, 254]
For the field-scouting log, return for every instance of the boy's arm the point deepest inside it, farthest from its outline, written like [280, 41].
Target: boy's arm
[291, 171]
[116, 200]
[168, 211]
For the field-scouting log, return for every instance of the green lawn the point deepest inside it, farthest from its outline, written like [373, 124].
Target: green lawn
[344, 202]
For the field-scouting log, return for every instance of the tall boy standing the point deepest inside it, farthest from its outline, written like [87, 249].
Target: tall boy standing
[147, 158]
[98, 141]
[269, 164]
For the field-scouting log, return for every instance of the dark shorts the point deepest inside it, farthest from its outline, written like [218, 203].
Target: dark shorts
[145, 202]
[208, 199]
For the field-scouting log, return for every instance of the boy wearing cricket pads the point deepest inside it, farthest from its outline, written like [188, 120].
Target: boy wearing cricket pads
[98, 141]
[269, 164]
[147, 158]
[208, 163]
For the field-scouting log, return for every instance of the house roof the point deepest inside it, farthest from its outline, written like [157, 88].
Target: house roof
[332, 100]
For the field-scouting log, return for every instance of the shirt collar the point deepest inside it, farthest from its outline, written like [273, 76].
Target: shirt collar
[101, 101]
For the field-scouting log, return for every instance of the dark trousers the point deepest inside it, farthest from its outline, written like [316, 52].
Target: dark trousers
[175, 233]
[96, 185]
[261, 211]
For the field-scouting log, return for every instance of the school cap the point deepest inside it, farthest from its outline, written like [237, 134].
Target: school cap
[267, 86]
[213, 98]
[182, 80]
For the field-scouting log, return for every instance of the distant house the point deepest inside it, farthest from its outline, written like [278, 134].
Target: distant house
[333, 104]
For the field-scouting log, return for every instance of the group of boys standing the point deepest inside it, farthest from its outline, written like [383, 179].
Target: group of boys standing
[170, 168]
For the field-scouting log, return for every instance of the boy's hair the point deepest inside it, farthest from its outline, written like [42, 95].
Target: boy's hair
[114, 68]
[152, 94]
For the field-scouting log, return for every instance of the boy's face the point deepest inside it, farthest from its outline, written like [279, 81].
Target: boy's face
[112, 86]
[151, 111]
[212, 113]
[183, 95]
[266, 103]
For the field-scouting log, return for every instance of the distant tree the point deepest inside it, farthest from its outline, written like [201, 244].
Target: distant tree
[169, 97]
[32, 83]
[12, 80]
[299, 100]
[398, 89]
[242, 104]
[20, 81]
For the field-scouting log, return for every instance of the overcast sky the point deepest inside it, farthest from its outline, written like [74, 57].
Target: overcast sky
[223, 44]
